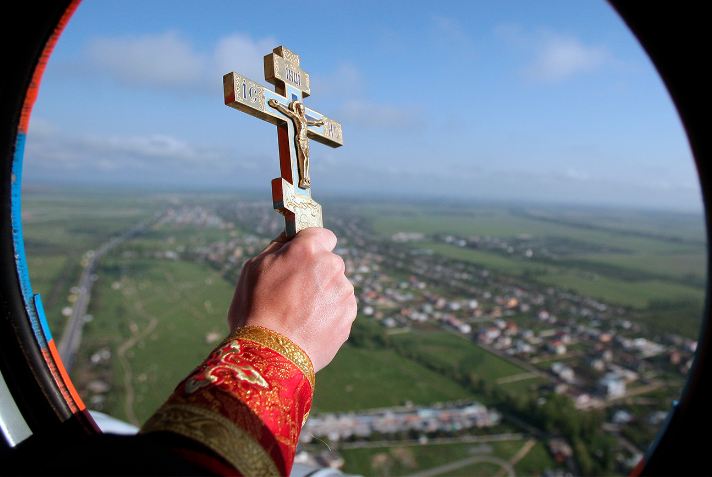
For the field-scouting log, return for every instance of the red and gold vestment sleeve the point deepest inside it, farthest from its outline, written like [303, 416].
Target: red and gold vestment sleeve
[247, 402]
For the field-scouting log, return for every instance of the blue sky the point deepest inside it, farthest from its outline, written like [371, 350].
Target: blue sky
[535, 101]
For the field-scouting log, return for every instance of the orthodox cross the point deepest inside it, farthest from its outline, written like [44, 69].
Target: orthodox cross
[296, 124]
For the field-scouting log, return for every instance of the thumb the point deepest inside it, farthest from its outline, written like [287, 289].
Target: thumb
[317, 237]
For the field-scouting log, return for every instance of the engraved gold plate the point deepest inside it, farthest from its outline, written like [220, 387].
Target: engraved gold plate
[244, 94]
[306, 211]
[286, 69]
[296, 124]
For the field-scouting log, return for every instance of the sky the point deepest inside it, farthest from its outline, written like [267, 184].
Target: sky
[551, 101]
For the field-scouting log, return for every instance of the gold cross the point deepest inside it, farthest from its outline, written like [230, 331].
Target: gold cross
[296, 124]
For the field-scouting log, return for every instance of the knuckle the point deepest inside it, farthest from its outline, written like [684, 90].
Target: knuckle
[347, 329]
[301, 248]
[266, 261]
[329, 235]
[324, 238]
[350, 291]
[257, 262]
[338, 264]
[349, 303]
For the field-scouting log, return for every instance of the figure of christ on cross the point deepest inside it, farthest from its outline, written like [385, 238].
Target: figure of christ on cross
[296, 125]
[296, 112]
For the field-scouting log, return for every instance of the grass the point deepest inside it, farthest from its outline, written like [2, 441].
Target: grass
[534, 462]
[681, 265]
[480, 469]
[524, 386]
[500, 222]
[489, 260]
[367, 378]
[59, 228]
[394, 461]
[156, 315]
[637, 294]
[664, 244]
[453, 351]
[683, 318]
[181, 235]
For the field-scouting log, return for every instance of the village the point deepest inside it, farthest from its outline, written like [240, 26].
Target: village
[393, 423]
[588, 350]
[568, 344]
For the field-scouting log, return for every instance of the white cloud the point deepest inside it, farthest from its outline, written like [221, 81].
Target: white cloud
[165, 59]
[239, 52]
[345, 81]
[53, 154]
[561, 57]
[170, 61]
[51, 150]
[553, 57]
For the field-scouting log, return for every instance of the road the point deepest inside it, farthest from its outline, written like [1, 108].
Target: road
[72, 334]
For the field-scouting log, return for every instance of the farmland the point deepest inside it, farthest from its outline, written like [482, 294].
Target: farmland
[159, 301]
[639, 261]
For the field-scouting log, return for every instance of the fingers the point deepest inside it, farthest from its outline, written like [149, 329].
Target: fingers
[351, 306]
[281, 238]
[337, 265]
[277, 243]
[319, 237]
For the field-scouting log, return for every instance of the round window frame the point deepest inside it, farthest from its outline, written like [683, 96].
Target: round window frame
[37, 395]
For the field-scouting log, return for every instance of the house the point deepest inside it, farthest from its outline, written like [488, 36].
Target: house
[612, 385]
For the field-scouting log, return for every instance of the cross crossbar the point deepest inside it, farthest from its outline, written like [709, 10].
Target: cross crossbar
[296, 124]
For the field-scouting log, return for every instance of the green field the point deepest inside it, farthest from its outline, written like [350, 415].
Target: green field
[366, 378]
[394, 461]
[680, 265]
[503, 222]
[157, 316]
[59, 228]
[653, 262]
[635, 294]
[523, 386]
[454, 351]
[486, 259]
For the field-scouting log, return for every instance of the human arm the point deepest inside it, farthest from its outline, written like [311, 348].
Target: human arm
[286, 111]
[318, 122]
[291, 312]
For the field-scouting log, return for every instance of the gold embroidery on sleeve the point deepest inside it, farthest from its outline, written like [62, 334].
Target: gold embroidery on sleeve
[280, 344]
[216, 432]
[212, 374]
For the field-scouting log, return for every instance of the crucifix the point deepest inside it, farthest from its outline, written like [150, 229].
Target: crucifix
[296, 124]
